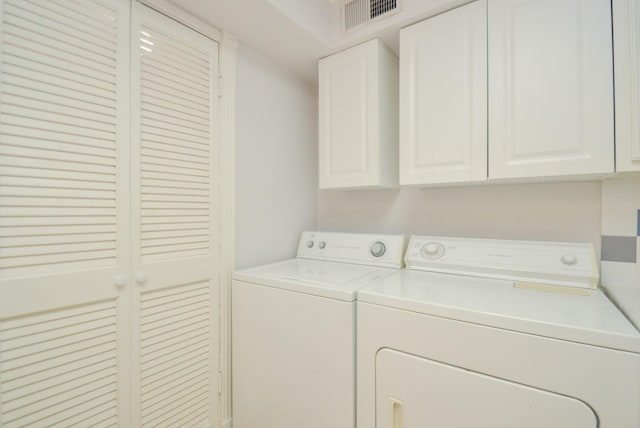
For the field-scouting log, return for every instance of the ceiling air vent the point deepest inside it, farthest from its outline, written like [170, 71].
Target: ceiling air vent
[358, 12]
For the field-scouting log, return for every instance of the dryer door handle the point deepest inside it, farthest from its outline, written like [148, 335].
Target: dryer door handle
[396, 413]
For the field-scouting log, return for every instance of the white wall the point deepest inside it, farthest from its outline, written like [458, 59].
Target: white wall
[276, 162]
[551, 211]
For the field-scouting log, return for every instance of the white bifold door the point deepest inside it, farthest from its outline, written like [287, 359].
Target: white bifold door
[108, 223]
[64, 213]
[174, 233]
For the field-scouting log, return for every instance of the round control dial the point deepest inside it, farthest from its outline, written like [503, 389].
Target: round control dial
[322, 244]
[432, 250]
[569, 259]
[309, 244]
[378, 249]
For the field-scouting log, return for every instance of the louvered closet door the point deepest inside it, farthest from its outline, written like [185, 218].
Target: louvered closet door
[174, 223]
[63, 213]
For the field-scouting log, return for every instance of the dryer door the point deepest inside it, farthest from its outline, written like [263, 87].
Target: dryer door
[413, 392]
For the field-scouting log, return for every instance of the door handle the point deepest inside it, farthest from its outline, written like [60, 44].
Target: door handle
[120, 281]
[396, 413]
[141, 277]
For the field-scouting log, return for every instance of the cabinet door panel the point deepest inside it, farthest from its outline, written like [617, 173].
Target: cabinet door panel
[550, 88]
[174, 222]
[347, 149]
[626, 27]
[348, 118]
[64, 209]
[443, 98]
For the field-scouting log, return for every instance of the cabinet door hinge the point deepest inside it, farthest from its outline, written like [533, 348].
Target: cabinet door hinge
[220, 87]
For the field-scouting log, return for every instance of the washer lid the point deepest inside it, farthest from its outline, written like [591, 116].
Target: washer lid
[578, 315]
[321, 278]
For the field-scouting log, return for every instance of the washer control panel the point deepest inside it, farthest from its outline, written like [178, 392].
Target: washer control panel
[358, 248]
[561, 263]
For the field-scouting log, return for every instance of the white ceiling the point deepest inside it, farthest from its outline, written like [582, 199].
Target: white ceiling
[296, 33]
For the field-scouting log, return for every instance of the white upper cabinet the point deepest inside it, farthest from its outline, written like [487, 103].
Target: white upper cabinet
[550, 88]
[358, 118]
[516, 90]
[626, 37]
[443, 98]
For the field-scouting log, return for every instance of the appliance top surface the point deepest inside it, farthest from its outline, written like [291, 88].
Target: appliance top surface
[569, 313]
[318, 277]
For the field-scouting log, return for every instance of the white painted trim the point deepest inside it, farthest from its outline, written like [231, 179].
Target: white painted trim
[227, 424]
[227, 70]
[172, 11]
[634, 66]
[626, 48]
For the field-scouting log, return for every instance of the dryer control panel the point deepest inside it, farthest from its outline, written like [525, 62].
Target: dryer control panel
[358, 248]
[557, 263]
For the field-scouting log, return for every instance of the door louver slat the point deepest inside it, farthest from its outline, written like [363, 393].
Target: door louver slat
[175, 147]
[57, 368]
[58, 139]
[175, 359]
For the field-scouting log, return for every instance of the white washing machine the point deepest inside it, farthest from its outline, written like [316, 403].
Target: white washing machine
[293, 331]
[495, 334]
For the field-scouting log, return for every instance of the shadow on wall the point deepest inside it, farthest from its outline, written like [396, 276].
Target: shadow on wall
[276, 163]
[548, 211]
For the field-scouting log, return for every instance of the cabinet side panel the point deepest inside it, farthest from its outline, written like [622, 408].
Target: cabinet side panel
[388, 126]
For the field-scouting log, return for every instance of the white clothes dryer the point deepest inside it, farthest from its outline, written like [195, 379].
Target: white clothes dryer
[293, 331]
[495, 334]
